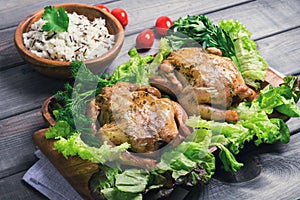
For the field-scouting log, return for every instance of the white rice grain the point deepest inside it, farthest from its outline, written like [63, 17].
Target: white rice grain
[84, 40]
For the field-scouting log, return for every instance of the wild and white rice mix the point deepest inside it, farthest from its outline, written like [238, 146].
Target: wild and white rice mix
[84, 40]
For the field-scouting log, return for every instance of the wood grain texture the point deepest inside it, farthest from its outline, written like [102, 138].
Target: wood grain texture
[13, 188]
[275, 26]
[140, 19]
[256, 23]
[266, 18]
[9, 56]
[281, 52]
[136, 18]
[278, 179]
[263, 17]
[24, 89]
[13, 11]
[16, 145]
[75, 170]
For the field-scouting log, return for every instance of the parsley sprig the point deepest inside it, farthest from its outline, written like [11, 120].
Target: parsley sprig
[57, 19]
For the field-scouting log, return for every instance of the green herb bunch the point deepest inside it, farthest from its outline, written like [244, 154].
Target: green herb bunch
[199, 30]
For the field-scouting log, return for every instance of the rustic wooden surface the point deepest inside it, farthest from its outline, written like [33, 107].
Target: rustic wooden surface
[276, 28]
[75, 170]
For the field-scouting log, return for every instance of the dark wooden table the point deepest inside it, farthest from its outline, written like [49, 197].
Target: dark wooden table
[276, 28]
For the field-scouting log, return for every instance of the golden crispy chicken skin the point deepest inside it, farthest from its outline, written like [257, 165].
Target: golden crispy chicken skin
[203, 82]
[138, 115]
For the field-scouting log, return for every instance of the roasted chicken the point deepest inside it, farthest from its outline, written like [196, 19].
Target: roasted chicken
[138, 115]
[203, 82]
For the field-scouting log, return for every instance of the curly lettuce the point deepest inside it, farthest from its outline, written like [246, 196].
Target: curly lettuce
[185, 158]
[190, 163]
[249, 61]
[283, 99]
[138, 69]
[254, 123]
[75, 146]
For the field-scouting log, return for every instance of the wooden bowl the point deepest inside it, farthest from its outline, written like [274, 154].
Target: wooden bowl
[61, 69]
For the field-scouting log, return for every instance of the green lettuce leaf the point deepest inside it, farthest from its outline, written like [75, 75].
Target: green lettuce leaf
[249, 61]
[61, 129]
[265, 129]
[255, 115]
[109, 173]
[114, 193]
[138, 69]
[132, 180]
[254, 123]
[228, 159]
[232, 135]
[132, 71]
[188, 156]
[74, 146]
[282, 99]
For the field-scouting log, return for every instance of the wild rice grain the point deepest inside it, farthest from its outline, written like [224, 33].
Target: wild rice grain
[84, 40]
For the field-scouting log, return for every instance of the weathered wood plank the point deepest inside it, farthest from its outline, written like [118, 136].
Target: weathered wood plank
[263, 18]
[23, 89]
[266, 18]
[282, 51]
[13, 188]
[16, 145]
[138, 19]
[8, 52]
[261, 23]
[13, 11]
[278, 178]
[284, 59]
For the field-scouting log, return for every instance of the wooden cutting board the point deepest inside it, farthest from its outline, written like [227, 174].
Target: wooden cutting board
[77, 171]
[274, 77]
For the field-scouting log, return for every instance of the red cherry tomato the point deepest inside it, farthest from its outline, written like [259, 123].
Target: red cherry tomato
[145, 39]
[162, 25]
[121, 15]
[102, 7]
